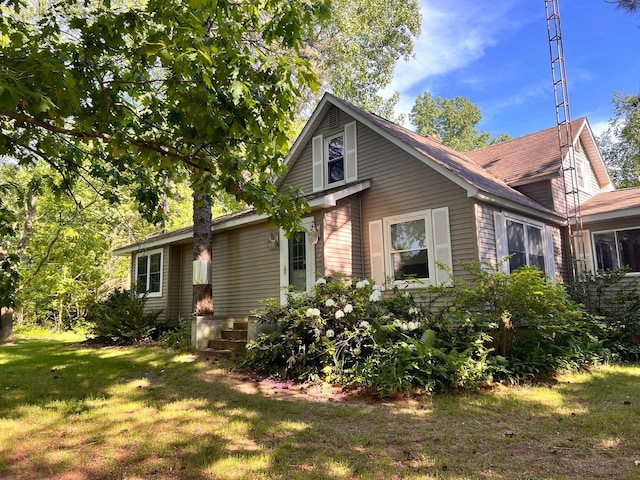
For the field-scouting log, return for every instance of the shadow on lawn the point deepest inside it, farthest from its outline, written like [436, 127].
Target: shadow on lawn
[197, 422]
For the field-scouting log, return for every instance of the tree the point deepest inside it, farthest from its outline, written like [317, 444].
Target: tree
[620, 143]
[356, 51]
[454, 120]
[630, 6]
[111, 94]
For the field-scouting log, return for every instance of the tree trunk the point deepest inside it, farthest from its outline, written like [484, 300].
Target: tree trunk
[6, 324]
[202, 237]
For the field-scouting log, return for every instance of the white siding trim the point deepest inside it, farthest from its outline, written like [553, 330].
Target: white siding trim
[588, 251]
[549, 252]
[502, 250]
[441, 243]
[318, 163]
[376, 251]
[350, 153]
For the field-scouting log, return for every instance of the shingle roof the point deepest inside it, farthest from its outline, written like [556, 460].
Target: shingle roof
[616, 200]
[457, 163]
[525, 158]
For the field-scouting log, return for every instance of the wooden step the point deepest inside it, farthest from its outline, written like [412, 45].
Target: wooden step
[240, 326]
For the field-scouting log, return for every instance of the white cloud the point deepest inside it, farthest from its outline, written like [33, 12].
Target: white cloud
[454, 34]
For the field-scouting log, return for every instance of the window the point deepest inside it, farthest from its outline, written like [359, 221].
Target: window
[411, 246]
[409, 255]
[525, 241]
[524, 244]
[335, 159]
[618, 248]
[149, 273]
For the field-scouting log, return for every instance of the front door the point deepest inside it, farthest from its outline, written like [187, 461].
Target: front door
[297, 261]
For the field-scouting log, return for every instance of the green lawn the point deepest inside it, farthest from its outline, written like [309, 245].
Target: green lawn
[72, 412]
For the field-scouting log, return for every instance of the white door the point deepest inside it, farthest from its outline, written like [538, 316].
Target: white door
[297, 261]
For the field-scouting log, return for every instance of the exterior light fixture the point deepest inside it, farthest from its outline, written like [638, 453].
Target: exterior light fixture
[314, 234]
[273, 243]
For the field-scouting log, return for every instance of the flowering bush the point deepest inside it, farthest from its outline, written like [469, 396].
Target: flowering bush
[330, 333]
[353, 334]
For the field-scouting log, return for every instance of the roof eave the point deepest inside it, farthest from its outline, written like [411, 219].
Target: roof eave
[545, 214]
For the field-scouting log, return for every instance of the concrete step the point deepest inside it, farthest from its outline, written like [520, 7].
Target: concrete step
[238, 346]
[234, 334]
[240, 326]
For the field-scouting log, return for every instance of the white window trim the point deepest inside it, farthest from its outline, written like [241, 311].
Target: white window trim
[325, 160]
[592, 248]
[148, 254]
[417, 282]
[502, 246]
[320, 157]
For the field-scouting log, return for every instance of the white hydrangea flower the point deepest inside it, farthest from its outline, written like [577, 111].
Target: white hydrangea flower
[321, 281]
[376, 287]
[413, 325]
[330, 333]
[414, 311]
[316, 312]
[339, 314]
[309, 312]
[397, 323]
[362, 284]
[330, 302]
[364, 324]
[375, 296]
[404, 326]
[348, 308]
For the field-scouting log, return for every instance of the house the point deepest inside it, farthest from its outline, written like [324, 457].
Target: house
[389, 204]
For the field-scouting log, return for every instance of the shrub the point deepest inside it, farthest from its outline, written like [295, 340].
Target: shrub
[613, 302]
[120, 318]
[178, 338]
[534, 326]
[483, 326]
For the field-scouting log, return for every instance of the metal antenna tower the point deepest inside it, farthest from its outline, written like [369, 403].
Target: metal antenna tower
[565, 137]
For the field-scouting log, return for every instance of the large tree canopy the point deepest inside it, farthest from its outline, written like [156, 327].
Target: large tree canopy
[454, 120]
[355, 53]
[620, 143]
[134, 94]
[119, 94]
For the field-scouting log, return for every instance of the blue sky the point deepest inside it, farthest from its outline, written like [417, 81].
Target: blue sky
[497, 54]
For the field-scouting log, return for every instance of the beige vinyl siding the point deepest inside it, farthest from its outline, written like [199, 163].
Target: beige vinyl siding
[486, 234]
[301, 173]
[342, 240]
[244, 270]
[186, 290]
[540, 191]
[403, 184]
[559, 197]
[174, 282]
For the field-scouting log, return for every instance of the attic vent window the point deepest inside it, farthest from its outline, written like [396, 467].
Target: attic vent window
[333, 117]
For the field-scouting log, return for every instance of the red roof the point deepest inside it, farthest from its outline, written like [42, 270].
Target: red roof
[525, 158]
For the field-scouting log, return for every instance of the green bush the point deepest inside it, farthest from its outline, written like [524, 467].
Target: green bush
[178, 338]
[483, 326]
[534, 325]
[120, 318]
[613, 302]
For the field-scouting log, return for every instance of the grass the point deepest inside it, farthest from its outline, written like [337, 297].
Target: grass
[72, 412]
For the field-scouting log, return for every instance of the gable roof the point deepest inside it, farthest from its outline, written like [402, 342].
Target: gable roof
[608, 205]
[457, 167]
[536, 156]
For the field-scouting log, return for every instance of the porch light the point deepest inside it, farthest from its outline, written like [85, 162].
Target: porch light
[314, 234]
[273, 243]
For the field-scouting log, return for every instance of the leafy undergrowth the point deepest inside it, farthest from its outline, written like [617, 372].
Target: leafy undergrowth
[72, 412]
